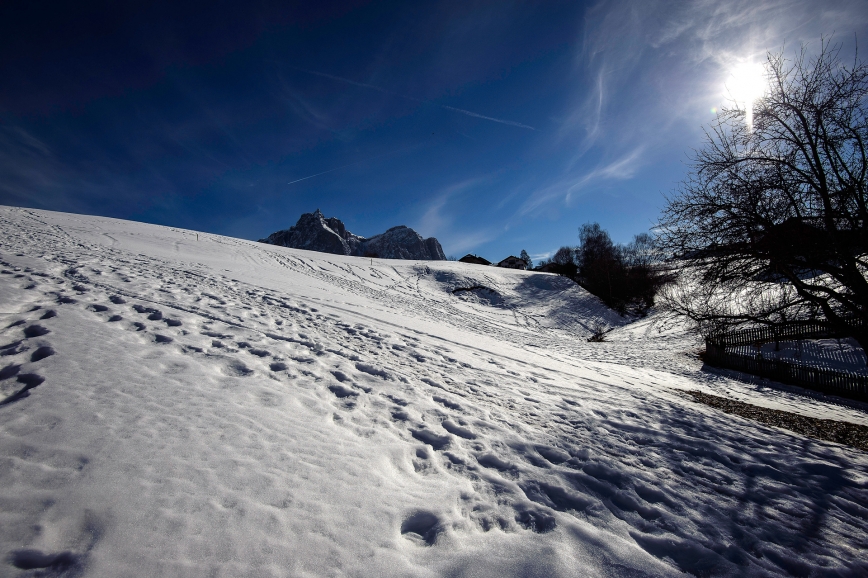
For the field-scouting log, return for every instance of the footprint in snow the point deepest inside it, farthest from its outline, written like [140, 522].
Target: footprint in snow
[237, 368]
[534, 519]
[341, 391]
[340, 376]
[422, 464]
[154, 314]
[422, 527]
[10, 370]
[29, 559]
[426, 436]
[41, 353]
[445, 402]
[35, 331]
[495, 462]
[13, 348]
[553, 455]
[28, 381]
[458, 430]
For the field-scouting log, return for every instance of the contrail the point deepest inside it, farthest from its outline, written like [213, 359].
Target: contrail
[351, 164]
[476, 115]
[443, 106]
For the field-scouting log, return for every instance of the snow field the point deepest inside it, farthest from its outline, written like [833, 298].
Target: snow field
[224, 408]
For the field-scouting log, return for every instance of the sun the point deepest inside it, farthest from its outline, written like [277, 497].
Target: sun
[745, 84]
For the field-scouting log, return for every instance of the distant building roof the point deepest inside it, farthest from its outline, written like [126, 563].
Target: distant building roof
[468, 258]
[513, 262]
[549, 268]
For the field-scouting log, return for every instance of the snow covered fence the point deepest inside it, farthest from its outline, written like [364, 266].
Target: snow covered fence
[828, 381]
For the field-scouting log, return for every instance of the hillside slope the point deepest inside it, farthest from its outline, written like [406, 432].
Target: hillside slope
[183, 404]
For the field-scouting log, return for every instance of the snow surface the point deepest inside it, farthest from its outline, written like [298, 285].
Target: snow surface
[217, 407]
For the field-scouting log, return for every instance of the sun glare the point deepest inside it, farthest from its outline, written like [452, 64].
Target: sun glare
[746, 83]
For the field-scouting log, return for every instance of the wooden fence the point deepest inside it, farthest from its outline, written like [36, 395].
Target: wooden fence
[792, 331]
[829, 381]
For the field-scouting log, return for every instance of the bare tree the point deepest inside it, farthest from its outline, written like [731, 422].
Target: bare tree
[564, 256]
[770, 224]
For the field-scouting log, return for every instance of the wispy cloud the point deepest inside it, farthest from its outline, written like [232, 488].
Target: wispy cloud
[462, 242]
[426, 102]
[435, 221]
[620, 169]
[438, 221]
[564, 189]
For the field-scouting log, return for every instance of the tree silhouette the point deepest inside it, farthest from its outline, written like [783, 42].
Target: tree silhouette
[770, 224]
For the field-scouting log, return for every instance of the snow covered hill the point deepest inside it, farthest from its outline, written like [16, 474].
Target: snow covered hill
[183, 404]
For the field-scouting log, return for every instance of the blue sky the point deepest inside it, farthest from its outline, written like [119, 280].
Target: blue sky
[494, 126]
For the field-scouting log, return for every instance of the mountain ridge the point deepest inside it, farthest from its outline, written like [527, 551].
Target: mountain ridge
[315, 232]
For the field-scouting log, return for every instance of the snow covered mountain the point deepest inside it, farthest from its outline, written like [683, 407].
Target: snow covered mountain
[316, 233]
[183, 404]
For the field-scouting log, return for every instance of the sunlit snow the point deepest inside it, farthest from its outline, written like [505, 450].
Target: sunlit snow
[183, 404]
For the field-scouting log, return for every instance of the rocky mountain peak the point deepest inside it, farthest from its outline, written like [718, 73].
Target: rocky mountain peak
[315, 232]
